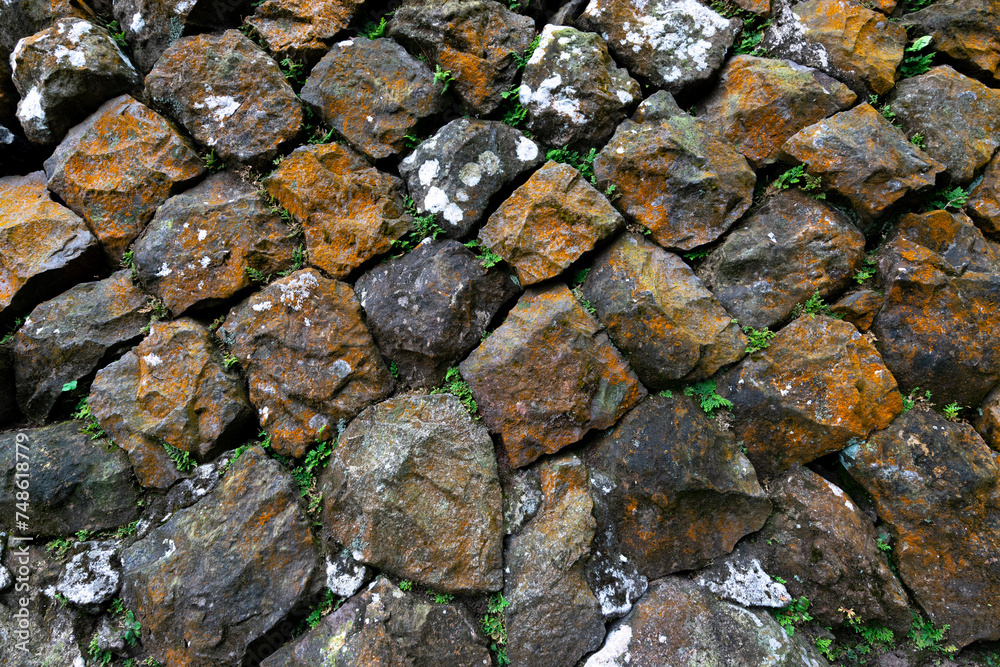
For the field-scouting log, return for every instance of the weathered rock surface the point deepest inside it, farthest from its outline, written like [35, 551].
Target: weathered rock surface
[672, 44]
[23, 19]
[987, 422]
[761, 102]
[301, 30]
[554, 618]
[350, 212]
[430, 307]
[941, 281]
[861, 156]
[412, 489]
[549, 222]
[202, 244]
[659, 314]
[677, 178]
[228, 94]
[373, 93]
[573, 91]
[475, 40]
[66, 339]
[92, 576]
[741, 579]
[548, 375]
[43, 246]
[966, 30]
[858, 308]
[454, 174]
[385, 626]
[958, 117]
[118, 166]
[310, 360]
[219, 574]
[935, 484]
[790, 248]
[76, 483]
[65, 72]
[817, 388]
[675, 490]
[983, 204]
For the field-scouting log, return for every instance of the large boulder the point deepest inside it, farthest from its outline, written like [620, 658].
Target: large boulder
[301, 30]
[967, 31]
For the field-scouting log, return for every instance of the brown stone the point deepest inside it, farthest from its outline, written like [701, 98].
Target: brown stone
[548, 375]
[860, 155]
[549, 222]
[859, 308]
[650, 164]
[118, 166]
[349, 210]
[987, 422]
[760, 102]
[301, 29]
[310, 360]
[659, 314]
[983, 204]
[967, 31]
[817, 388]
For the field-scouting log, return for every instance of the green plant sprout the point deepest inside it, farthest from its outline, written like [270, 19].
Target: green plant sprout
[708, 398]
[444, 77]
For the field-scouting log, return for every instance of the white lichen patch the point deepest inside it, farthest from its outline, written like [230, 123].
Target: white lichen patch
[527, 149]
[184, 6]
[221, 106]
[202, 234]
[296, 290]
[548, 34]
[152, 360]
[436, 201]
[138, 23]
[549, 95]
[746, 583]
[89, 577]
[30, 108]
[615, 651]
[624, 96]
[428, 172]
[75, 58]
[470, 174]
[262, 306]
[344, 577]
[164, 271]
[78, 30]
[341, 368]
[490, 162]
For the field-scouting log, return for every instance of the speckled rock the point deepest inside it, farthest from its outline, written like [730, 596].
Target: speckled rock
[412, 489]
[299, 29]
[675, 491]
[350, 211]
[935, 484]
[967, 31]
[675, 45]
[454, 174]
[659, 314]
[430, 307]
[573, 91]
[91, 578]
[200, 245]
[67, 338]
[476, 40]
[761, 102]
[817, 388]
[549, 222]
[65, 72]
[684, 206]
[548, 375]
[228, 94]
[983, 205]
[861, 156]
[310, 360]
[373, 93]
[118, 166]
[790, 248]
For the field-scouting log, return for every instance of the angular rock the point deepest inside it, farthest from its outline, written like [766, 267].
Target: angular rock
[349, 210]
[859, 308]
[941, 281]
[967, 31]
[76, 483]
[817, 388]
[935, 483]
[43, 246]
[675, 491]
[219, 574]
[659, 314]
[228, 95]
[476, 40]
[672, 44]
[679, 624]
[301, 30]
[454, 174]
[983, 204]
[65, 72]
[574, 93]
[790, 248]
[677, 178]
[118, 166]
[385, 626]
[412, 489]
[201, 245]
[861, 156]
[91, 577]
[987, 422]
[310, 360]
[847, 40]
[958, 117]
[430, 307]
[554, 618]
[549, 222]
[548, 375]
[66, 339]
[172, 389]
[761, 102]
[741, 579]
[373, 93]
[23, 19]
[522, 499]
[661, 105]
